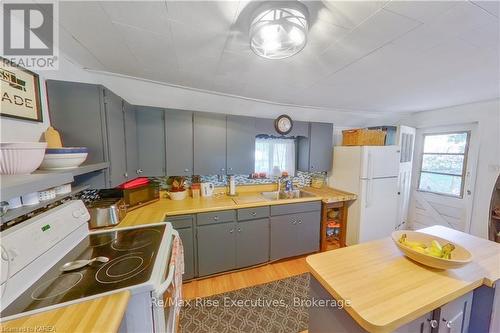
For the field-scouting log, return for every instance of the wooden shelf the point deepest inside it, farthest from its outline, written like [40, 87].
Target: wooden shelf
[81, 170]
[15, 213]
[16, 185]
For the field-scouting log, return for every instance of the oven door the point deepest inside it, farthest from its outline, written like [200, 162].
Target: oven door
[166, 300]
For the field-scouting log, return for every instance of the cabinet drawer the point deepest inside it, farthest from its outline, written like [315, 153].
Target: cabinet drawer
[295, 208]
[180, 222]
[216, 217]
[253, 213]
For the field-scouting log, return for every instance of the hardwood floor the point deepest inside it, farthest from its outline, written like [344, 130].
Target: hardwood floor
[245, 278]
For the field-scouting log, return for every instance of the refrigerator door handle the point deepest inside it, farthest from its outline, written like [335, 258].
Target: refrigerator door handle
[368, 192]
[369, 174]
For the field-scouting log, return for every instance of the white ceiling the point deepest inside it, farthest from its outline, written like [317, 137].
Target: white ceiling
[385, 56]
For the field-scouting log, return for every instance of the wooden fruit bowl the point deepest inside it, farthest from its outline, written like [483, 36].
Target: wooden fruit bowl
[459, 257]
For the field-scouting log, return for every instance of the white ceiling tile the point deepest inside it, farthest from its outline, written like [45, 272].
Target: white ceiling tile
[423, 11]
[350, 14]
[203, 15]
[78, 52]
[150, 49]
[378, 30]
[146, 15]
[100, 37]
[492, 7]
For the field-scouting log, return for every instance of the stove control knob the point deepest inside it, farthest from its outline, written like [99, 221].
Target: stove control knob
[77, 214]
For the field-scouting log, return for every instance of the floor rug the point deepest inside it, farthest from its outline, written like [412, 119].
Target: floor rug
[273, 307]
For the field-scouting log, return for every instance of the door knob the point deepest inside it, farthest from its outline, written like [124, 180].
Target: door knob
[433, 323]
[231, 231]
[186, 170]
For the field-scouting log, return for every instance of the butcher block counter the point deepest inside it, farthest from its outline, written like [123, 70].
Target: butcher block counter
[386, 290]
[330, 195]
[248, 196]
[102, 314]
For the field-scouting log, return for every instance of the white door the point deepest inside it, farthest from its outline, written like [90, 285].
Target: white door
[378, 200]
[406, 142]
[444, 176]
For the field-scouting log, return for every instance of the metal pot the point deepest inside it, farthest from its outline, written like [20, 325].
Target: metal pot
[106, 212]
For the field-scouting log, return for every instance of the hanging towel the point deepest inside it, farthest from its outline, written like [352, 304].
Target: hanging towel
[177, 261]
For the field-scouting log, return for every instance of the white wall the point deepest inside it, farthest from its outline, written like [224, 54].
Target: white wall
[487, 115]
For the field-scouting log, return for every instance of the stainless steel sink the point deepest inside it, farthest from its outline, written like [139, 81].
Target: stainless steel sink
[275, 195]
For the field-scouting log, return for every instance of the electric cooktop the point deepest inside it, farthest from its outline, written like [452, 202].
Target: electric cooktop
[131, 254]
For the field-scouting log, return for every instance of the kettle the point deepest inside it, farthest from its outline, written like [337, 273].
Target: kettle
[207, 189]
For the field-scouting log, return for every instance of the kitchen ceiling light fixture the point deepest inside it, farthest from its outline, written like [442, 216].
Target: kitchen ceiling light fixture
[279, 29]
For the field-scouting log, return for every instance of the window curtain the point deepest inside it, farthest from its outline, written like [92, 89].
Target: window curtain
[274, 152]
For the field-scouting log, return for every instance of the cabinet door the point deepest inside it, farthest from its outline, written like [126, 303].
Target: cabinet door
[240, 145]
[179, 132]
[151, 141]
[76, 109]
[454, 316]
[216, 248]
[321, 147]
[252, 242]
[209, 144]
[283, 237]
[131, 140]
[308, 229]
[420, 325]
[115, 133]
[186, 235]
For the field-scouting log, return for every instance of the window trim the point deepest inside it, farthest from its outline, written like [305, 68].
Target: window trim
[464, 166]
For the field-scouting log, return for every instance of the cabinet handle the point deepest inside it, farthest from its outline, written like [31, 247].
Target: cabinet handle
[216, 218]
[433, 323]
[230, 169]
[253, 213]
[300, 221]
[222, 169]
[449, 323]
[139, 171]
[186, 170]
[294, 222]
[239, 229]
[231, 231]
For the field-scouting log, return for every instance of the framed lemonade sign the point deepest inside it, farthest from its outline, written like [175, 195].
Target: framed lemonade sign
[20, 90]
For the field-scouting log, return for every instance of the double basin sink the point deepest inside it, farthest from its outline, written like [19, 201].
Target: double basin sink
[276, 195]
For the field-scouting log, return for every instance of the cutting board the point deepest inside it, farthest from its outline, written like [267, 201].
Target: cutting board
[248, 199]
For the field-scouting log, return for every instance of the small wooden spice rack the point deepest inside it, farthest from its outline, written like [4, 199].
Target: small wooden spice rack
[333, 225]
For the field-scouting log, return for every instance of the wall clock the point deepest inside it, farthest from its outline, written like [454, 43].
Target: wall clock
[283, 124]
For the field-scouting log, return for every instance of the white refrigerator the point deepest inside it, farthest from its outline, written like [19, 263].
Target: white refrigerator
[371, 172]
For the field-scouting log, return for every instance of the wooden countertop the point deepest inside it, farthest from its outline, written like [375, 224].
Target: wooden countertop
[103, 314]
[388, 290]
[330, 194]
[248, 196]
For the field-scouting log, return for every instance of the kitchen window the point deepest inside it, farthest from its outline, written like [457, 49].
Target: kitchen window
[274, 152]
[443, 165]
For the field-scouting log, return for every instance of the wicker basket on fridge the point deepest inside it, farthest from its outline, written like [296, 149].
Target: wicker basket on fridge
[363, 137]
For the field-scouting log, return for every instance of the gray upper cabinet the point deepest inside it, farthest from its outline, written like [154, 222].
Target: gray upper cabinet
[209, 144]
[151, 141]
[300, 128]
[179, 132]
[131, 140]
[315, 151]
[76, 111]
[240, 145]
[115, 125]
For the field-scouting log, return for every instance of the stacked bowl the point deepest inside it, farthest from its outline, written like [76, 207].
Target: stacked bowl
[63, 158]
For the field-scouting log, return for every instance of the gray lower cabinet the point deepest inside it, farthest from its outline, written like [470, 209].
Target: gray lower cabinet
[184, 225]
[179, 141]
[294, 234]
[454, 316]
[209, 143]
[151, 141]
[216, 248]
[252, 242]
[115, 125]
[315, 151]
[240, 145]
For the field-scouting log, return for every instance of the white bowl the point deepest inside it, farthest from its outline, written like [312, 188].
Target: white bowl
[20, 158]
[62, 161]
[459, 256]
[181, 195]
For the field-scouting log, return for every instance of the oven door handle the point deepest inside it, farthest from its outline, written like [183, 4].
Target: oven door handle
[168, 281]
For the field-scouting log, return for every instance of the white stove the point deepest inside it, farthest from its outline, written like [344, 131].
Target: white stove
[136, 259]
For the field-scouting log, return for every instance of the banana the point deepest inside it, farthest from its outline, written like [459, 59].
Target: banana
[435, 249]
